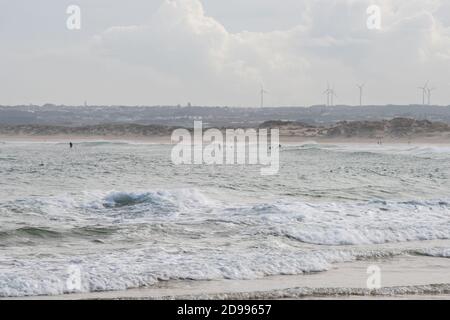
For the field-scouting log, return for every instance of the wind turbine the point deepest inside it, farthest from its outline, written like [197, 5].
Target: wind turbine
[327, 92]
[424, 92]
[429, 91]
[330, 95]
[361, 87]
[263, 92]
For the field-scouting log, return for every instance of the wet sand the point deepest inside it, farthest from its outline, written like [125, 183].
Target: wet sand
[404, 277]
[288, 140]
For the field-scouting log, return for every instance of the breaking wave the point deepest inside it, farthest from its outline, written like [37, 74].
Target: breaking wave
[435, 252]
[153, 236]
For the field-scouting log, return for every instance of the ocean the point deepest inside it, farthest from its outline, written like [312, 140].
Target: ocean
[118, 215]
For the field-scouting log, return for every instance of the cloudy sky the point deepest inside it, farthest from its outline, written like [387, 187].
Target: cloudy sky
[219, 52]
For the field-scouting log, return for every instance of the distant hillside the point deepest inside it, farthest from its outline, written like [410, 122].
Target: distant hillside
[395, 128]
[93, 130]
[398, 127]
[212, 116]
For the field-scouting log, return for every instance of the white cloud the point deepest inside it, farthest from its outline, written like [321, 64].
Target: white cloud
[184, 54]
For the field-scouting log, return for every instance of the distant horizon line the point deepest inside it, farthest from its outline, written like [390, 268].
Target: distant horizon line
[218, 106]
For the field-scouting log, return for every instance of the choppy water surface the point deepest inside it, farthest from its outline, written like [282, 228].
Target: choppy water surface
[125, 216]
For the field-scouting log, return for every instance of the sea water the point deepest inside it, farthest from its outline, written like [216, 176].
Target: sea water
[121, 215]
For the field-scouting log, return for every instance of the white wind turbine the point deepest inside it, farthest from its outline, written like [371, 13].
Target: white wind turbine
[429, 91]
[361, 88]
[262, 92]
[330, 95]
[327, 92]
[424, 92]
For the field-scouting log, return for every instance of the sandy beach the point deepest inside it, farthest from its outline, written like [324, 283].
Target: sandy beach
[86, 138]
[284, 139]
[407, 277]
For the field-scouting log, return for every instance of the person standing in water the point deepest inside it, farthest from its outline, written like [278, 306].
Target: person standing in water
[70, 145]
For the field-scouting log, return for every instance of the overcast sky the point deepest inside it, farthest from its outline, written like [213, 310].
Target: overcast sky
[218, 52]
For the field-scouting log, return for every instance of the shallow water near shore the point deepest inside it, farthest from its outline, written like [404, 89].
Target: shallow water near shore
[125, 217]
[403, 277]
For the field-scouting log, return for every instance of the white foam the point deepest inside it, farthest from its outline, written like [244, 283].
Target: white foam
[366, 223]
[199, 238]
[137, 268]
[436, 252]
[396, 149]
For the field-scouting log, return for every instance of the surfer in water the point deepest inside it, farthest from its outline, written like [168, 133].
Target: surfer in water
[70, 145]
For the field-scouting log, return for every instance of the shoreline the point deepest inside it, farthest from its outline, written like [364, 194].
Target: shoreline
[403, 277]
[288, 140]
